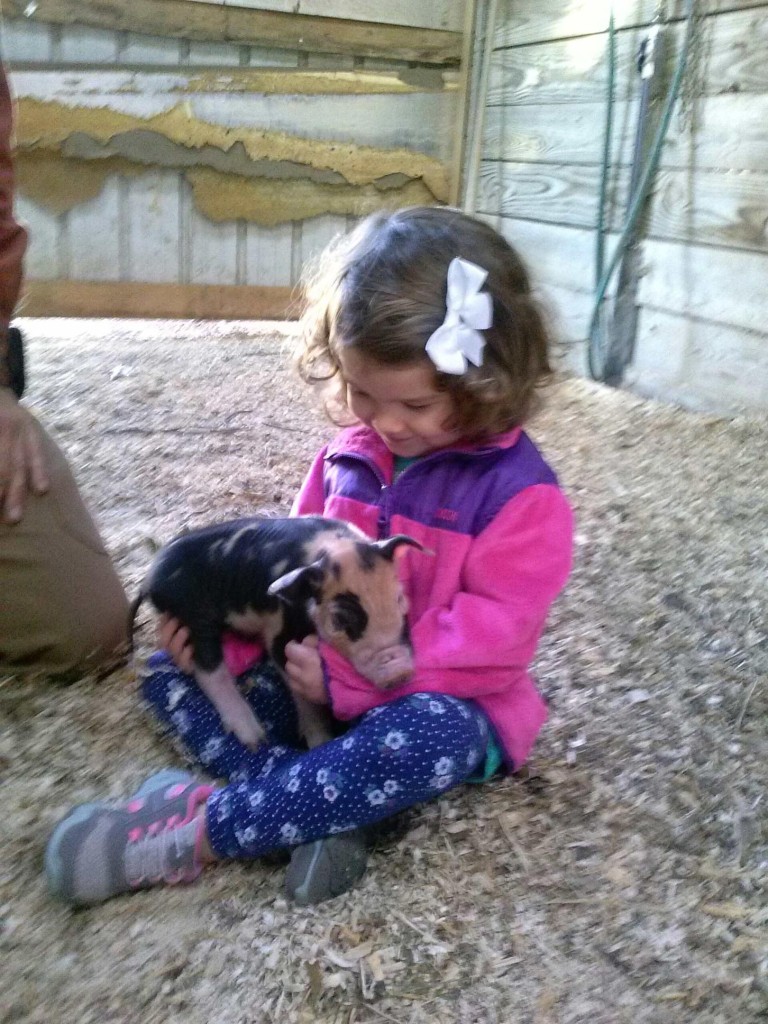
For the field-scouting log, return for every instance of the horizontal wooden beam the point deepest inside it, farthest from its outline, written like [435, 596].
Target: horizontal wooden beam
[434, 14]
[216, 23]
[147, 301]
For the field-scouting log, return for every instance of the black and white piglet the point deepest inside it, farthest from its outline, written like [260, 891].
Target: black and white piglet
[281, 579]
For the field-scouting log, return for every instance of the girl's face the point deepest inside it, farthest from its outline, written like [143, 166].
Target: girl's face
[401, 403]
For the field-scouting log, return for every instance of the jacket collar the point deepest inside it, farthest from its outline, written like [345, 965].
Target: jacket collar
[366, 443]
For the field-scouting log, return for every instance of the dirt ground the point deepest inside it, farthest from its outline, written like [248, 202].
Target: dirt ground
[621, 878]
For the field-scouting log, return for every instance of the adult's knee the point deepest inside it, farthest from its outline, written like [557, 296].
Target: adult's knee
[68, 609]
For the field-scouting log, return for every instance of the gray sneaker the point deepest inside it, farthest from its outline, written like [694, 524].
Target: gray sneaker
[326, 868]
[98, 851]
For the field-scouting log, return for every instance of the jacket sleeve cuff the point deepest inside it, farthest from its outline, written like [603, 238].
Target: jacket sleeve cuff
[241, 655]
[349, 693]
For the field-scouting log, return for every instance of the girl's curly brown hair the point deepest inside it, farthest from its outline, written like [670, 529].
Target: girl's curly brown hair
[382, 290]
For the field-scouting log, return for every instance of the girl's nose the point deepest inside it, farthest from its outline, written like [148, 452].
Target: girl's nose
[388, 423]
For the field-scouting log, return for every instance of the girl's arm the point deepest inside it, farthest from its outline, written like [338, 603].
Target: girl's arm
[485, 640]
[310, 501]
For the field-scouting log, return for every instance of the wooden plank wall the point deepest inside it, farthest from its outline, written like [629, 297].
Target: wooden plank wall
[704, 301]
[184, 163]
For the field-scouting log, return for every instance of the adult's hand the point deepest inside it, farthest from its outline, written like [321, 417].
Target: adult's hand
[22, 466]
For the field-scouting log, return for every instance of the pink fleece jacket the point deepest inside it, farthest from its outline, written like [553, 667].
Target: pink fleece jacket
[501, 532]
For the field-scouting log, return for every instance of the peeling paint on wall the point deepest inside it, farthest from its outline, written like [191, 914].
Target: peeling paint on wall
[271, 202]
[307, 82]
[58, 184]
[261, 175]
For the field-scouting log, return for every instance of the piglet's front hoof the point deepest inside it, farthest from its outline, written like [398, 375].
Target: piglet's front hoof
[250, 734]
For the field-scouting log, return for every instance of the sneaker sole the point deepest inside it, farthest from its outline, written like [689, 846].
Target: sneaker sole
[326, 868]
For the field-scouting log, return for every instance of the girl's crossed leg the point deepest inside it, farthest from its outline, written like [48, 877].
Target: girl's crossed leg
[278, 797]
[397, 755]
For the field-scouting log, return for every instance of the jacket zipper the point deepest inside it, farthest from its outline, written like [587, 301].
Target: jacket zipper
[382, 521]
[385, 489]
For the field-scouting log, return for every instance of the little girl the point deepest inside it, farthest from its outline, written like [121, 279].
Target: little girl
[424, 324]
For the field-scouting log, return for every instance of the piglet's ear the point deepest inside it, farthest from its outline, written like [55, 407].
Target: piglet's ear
[388, 547]
[298, 584]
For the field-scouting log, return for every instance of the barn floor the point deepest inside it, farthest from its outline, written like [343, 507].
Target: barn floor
[621, 879]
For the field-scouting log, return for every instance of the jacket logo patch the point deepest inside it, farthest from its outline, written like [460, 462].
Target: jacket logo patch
[448, 515]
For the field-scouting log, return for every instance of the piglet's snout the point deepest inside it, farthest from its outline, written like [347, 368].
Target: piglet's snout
[388, 667]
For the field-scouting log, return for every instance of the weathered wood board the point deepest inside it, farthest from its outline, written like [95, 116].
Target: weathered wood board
[212, 22]
[730, 134]
[529, 21]
[575, 71]
[710, 207]
[713, 283]
[443, 14]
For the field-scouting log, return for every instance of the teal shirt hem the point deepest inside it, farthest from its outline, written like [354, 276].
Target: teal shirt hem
[494, 760]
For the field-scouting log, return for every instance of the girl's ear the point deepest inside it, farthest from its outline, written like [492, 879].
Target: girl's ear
[394, 547]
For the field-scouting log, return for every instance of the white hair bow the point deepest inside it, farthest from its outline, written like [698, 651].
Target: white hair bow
[468, 311]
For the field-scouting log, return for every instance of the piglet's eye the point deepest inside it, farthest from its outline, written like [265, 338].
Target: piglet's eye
[348, 615]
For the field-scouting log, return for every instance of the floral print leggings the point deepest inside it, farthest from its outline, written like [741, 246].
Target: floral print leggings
[396, 755]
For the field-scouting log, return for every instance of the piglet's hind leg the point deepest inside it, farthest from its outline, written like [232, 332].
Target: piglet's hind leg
[314, 723]
[235, 712]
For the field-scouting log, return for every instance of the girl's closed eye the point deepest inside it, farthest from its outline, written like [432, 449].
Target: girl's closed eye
[400, 402]
[356, 394]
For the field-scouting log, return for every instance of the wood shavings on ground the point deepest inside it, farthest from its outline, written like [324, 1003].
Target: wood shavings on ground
[621, 877]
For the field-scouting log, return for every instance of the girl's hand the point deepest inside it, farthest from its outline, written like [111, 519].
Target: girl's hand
[174, 638]
[304, 668]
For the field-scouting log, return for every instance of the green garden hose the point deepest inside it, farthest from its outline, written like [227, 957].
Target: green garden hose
[599, 353]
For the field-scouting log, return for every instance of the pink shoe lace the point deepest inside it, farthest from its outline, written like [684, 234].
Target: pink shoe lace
[167, 849]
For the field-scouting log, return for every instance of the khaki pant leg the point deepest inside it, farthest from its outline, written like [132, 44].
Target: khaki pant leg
[62, 605]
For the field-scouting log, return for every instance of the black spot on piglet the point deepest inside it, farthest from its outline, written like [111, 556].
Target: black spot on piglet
[349, 616]
[367, 555]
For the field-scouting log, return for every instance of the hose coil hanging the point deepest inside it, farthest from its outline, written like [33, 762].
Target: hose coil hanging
[605, 364]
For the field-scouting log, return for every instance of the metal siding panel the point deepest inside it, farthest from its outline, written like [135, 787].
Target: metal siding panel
[94, 236]
[149, 50]
[154, 205]
[25, 40]
[222, 54]
[42, 258]
[316, 233]
[268, 254]
[212, 250]
[82, 45]
[264, 58]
